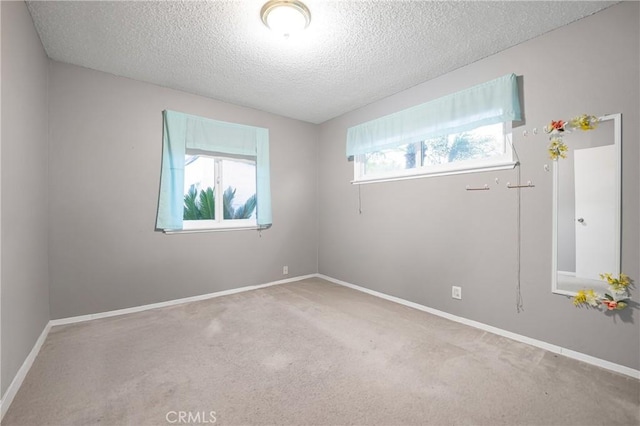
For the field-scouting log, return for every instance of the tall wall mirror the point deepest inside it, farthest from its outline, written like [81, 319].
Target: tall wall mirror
[586, 208]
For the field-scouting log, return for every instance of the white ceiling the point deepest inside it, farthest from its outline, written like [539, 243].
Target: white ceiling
[352, 54]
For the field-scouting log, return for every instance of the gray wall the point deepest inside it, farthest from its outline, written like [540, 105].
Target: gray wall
[106, 145]
[417, 238]
[24, 277]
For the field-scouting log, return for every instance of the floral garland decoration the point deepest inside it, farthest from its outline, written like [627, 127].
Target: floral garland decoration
[618, 299]
[556, 130]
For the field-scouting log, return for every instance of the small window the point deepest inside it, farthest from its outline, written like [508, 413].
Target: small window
[483, 148]
[219, 192]
[214, 175]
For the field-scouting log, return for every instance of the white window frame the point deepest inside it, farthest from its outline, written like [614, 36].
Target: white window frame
[502, 162]
[220, 223]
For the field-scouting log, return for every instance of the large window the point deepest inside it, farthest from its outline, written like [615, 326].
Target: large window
[466, 131]
[476, 149]
[219, 192]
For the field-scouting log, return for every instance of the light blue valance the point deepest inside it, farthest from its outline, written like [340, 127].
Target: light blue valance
[183, 131]
[488, 103]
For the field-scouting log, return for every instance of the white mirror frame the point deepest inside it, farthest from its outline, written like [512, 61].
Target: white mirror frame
[617, 140]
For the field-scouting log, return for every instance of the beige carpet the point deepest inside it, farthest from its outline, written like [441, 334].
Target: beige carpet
[308, 353]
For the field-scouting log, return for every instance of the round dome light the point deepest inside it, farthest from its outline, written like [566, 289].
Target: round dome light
[285, 17]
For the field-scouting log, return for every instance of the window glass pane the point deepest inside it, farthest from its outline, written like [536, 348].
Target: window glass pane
[389, 160]
[481, 143]
[239, 183]
[199, 188]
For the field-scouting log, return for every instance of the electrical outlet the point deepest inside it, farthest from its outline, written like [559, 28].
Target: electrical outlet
[456, 292]
[285, 270]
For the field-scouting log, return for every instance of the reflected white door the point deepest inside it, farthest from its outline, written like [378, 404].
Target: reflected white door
[595, 183]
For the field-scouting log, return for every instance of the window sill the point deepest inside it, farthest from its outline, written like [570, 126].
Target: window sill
[221, 229]
[502, 166]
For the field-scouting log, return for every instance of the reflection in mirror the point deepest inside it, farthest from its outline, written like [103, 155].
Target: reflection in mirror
[586, 211]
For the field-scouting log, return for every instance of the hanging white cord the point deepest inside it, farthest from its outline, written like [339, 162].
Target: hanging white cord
[519, 301]
[359, 200]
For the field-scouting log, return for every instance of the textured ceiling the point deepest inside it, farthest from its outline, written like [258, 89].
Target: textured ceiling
[353, 53]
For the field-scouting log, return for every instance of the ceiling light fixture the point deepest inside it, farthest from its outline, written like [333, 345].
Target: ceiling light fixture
[285, 17]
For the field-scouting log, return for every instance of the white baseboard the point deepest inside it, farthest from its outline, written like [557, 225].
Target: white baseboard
[12, 390]
[513, 336]
[82, 318]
